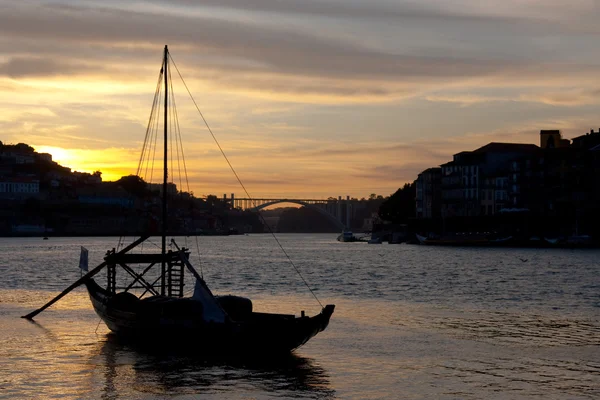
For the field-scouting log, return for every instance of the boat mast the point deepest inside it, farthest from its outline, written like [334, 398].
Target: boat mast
[164, 199]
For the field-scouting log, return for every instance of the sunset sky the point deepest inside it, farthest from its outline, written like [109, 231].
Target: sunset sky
[310, 98]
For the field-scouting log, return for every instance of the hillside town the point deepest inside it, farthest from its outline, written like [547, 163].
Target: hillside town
[40, 197]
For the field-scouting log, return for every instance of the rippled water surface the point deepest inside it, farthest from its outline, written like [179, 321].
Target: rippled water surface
[411, 322]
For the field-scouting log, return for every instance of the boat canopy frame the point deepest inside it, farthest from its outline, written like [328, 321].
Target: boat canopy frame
[173, 274]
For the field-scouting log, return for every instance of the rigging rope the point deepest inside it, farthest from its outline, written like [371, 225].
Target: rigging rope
[178, 148]
[148, 127]
[242, 185]
[156, 135]
[175, 122]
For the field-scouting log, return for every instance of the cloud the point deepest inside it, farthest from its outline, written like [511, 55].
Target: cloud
[559, 96]
[399, 11]
[260, 58]
[39, 66]
[406, 172]
[567, 97]
[464, 99]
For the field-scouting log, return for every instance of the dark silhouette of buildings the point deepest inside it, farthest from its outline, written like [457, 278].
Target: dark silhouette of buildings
[428, 195]
[550, 189]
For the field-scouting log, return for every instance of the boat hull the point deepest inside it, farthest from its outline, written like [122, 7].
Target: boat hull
[346, 236]
[181, 323]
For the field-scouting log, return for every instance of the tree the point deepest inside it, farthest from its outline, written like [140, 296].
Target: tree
[400, 206]
[304, 219]
[25, 148]
[134, 185]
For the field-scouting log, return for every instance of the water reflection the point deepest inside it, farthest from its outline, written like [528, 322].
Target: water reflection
[51, 336]
[134, 370]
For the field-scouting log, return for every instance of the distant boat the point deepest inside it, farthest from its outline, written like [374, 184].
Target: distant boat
[574, 240]
[346, 236]
[45, 238]
[421, 239]
[579, 240]
[225, 324]
[502, 240]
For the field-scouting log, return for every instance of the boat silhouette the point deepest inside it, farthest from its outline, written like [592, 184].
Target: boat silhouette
[219, 324]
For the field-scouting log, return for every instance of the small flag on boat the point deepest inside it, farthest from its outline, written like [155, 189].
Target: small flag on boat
[83, 259]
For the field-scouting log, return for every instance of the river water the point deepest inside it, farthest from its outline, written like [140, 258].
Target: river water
[411, 322]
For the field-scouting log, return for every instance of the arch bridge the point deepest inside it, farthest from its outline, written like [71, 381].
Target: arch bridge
[339, 211]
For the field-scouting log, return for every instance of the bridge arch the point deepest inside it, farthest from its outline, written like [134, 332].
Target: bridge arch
[320, 210]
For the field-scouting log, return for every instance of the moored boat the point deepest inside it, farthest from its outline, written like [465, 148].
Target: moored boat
[219, 324]
[346, 236]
